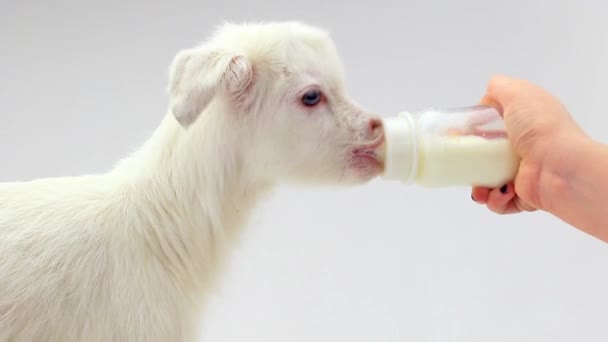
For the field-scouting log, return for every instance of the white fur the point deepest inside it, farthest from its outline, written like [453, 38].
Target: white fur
[129, 255]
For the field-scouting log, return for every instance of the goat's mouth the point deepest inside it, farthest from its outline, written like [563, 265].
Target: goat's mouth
[369, 158]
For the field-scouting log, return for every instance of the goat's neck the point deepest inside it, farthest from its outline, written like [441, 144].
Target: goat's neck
[192, 193]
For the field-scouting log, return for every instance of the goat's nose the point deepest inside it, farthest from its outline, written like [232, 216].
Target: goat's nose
[375, 126]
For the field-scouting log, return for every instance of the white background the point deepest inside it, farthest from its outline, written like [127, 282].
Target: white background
[82, 84]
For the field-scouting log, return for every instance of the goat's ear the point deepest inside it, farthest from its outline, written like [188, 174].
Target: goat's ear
[199, 74]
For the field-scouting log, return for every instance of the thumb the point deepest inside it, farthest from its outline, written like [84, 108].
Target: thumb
[503, 91]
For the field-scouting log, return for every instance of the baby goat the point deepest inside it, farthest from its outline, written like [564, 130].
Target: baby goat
[129, 255]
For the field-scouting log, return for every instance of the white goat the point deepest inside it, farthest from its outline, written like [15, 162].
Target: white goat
[130, 254]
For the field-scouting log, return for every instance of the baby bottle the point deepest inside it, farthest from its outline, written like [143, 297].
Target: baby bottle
[465, 146]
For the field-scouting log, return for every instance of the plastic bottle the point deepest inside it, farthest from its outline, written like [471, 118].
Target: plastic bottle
[465, 146]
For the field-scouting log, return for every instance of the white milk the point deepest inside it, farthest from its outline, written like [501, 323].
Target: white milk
[446, 148]
[466, 161]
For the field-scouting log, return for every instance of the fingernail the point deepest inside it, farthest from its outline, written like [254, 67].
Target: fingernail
[503, 189]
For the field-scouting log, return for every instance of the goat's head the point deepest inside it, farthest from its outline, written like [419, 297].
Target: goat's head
[280, 89]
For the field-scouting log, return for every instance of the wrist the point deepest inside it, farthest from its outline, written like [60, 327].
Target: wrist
[568, 174]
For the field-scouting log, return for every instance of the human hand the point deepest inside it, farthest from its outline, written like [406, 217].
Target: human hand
[545, 137]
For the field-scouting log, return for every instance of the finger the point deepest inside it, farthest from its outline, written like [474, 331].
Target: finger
[505, 201]
[487, 100]
[520, 205]
[500, 200]
[501, 91]
[515, 205]
[480, 194]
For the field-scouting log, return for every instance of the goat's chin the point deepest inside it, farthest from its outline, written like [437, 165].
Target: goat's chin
[349, 171]
[357, 174]
[364, 168]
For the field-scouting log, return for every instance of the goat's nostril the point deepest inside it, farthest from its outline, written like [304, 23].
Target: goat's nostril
[375, 124]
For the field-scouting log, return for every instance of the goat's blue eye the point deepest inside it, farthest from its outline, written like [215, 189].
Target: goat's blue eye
[311, 98]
